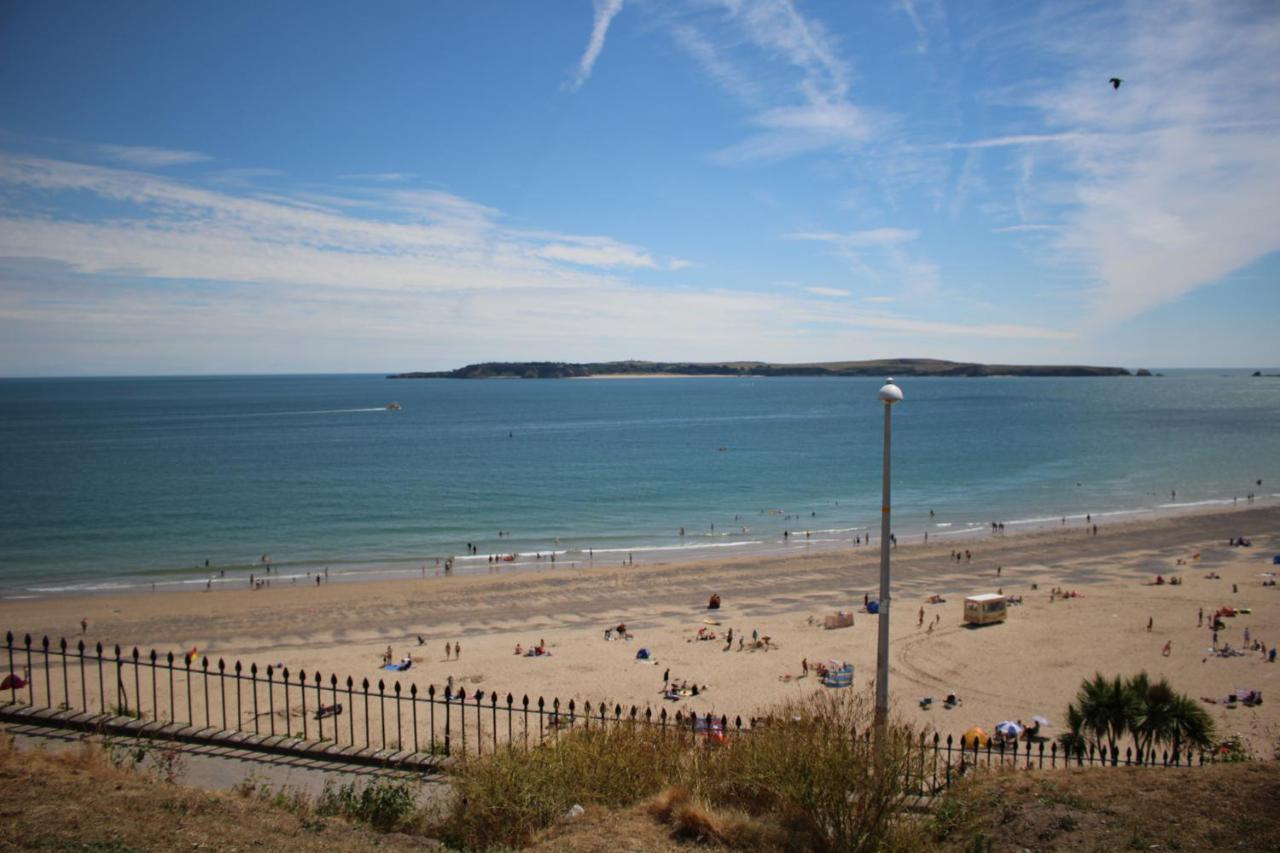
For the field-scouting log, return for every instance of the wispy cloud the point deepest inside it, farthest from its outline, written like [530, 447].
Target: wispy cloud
[879, 255]
[150, 158]
[1026, 227]
[605, 11]
[1174, 176]
[379, 177]
[908, 8]
[387, 274]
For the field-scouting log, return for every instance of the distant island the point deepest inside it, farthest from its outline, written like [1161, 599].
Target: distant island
[880, 367]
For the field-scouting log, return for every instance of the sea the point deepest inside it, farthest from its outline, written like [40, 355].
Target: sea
[114, 484]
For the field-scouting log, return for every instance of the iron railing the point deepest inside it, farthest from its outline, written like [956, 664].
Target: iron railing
[281, 710]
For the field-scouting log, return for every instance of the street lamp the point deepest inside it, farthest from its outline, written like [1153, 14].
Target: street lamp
[888, 394]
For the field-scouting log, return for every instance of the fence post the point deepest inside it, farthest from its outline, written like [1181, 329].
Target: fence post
[122, 696]
[399, 724]
[137, 683]
[66, 684]
[253, 680]
[288, 717]
[351, 709]
[302, 692]
[48, 687]
[222, 690]
[493, 703]
[948, 761]
[13, 685]
[319, 708]
[31, 681]
[526, 722]
[173, 715]
[204, 668]
[271, 702]
[431, 713]
[511, 740]
[84, 690]
[413, 706]
[333, 686]
[365, 688]
[191, 714]
[541, 707]
[382, 711]
[239, 702]
[479, 697]
[102, 690]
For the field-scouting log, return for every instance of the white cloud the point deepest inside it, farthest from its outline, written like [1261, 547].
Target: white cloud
[150, 158]
[1170, 182]
[605, 11]
[827, 291]
[200, 280]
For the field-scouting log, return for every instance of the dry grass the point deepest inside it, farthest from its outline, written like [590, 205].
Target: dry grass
[79, 800]
[1225, 807]
[804, 780]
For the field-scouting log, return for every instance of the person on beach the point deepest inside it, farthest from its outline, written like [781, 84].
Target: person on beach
[1200, 618]
[804, 666]
[448, 650]
[920, 620]
[84, 625]
[1168, 648]
[1150, 621]
[457, 649]
[666, 676]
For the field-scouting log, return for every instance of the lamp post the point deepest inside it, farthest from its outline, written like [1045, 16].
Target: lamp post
[889, 394]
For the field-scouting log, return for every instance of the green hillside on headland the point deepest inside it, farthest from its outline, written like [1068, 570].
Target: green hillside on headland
[878, 367]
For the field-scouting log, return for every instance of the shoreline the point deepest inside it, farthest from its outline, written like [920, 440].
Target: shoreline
[827, 541]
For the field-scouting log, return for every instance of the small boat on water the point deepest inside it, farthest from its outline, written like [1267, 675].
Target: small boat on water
[393, 407]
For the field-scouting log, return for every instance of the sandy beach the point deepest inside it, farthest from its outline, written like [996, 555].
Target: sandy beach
[1033, 664]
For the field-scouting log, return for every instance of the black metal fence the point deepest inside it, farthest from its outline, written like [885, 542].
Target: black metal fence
[279, 706]
[279, 710]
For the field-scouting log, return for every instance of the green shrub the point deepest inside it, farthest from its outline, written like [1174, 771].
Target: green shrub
[382, 804]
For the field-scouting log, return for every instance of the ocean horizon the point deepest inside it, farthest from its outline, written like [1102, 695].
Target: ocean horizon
[117, 483]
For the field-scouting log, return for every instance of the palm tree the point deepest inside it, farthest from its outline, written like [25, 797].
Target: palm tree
[1108, 709]
[1073, 738]
[1190, 723]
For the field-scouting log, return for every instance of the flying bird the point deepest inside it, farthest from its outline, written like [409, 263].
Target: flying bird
[1115, 82]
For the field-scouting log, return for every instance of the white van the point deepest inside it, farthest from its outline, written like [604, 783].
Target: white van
[985, 609]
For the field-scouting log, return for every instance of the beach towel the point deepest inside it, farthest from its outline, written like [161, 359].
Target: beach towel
[392, 667]
[837, 678]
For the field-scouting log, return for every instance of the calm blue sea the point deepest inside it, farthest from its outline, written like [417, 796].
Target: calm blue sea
[108, 483]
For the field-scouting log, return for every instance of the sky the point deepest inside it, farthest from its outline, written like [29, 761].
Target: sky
[335, 187]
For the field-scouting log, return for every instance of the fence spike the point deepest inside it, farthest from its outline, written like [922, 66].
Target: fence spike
[413, 690]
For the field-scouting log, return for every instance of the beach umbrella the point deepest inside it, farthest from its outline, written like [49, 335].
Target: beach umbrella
[1009, 728]
[1042, 721]
[974, 737]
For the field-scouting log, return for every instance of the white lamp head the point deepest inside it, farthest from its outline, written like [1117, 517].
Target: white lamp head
[890, 393]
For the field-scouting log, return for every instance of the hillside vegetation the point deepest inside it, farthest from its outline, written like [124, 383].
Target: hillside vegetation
[881, 367]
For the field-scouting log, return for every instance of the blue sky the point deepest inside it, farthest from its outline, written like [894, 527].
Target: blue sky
[289, 187]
